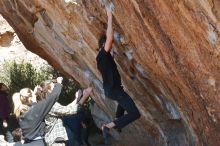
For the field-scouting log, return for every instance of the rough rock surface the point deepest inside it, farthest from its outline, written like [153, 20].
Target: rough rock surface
[11, 48]
[167, 52]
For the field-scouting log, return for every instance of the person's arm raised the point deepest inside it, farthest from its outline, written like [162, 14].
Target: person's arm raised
[109, 32]
[86, 93]
[43, 107]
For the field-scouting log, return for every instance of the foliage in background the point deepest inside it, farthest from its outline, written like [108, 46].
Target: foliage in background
[20, 75]
[23, 74]
[69, 88]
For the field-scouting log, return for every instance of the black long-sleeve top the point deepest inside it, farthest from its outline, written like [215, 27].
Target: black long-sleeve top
[108, 69]
[32, 122]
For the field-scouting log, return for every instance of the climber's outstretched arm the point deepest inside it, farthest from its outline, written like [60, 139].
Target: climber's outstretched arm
[109, 32]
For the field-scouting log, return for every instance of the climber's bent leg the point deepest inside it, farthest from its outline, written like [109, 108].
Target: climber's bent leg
[126, 103]
[120, 111]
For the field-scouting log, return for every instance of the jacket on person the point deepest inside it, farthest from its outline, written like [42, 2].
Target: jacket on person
[55, 129]
[32, 122]
[4, 106]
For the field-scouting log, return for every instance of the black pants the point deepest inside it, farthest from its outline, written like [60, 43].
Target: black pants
[2, 130]
[73, 122]
[125, 103]
[6, 132]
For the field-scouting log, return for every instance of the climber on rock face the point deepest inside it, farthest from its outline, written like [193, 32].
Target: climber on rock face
[112, 82]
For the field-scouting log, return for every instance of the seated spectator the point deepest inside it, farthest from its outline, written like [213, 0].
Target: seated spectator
[17, 135]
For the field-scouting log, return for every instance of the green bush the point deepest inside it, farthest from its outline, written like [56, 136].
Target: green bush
[21, 75]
